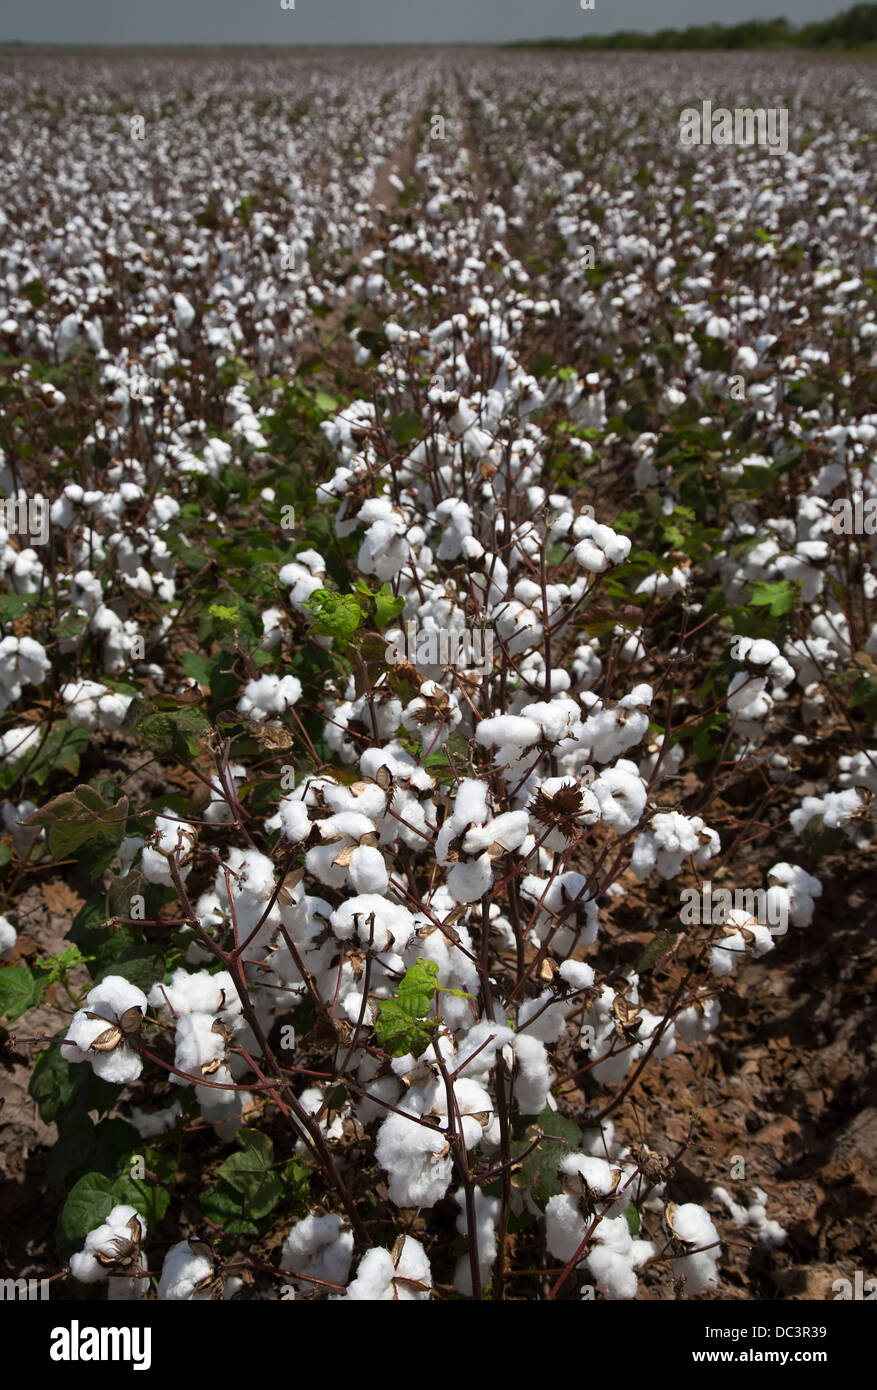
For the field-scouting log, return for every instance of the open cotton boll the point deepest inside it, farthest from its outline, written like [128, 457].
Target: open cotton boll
[615, 1257]
[198, 1044]
[181, 1273]
[694, 1024]
[318, 1246]
[269, 695]
[533, 1076]
[368, 871]
[112, 1251]
[379, 1280]
[800, 888]
[393, 924]
[749, 938]
[548, 1018]
[769, 1233]
[150, 1123]
[567, 914]
[467, 883]
[622, 795]
[255, 873]
[576, 974]
[564, 1227]
[198, 992]
[591, 1177]
[693, 1226]
[109, 1000]
[486, 1217]
[415, 1159]
[508, 830]
[8, 937]
[508, 729]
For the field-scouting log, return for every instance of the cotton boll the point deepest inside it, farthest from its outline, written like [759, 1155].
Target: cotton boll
[256, 874]
[199, 992]
[693, 1226]
[486, 1217]
[622, 795]
[182, 1272]
[368, 871]
[8, 937]
[533, 1075]
[468, 883]
[318, 1246]
[379, 1280]
[698, 1021]
[109, 1000]
[373, 920]
[117, 1240]
[564, 1227]
[548, 1018]
[415, 1160]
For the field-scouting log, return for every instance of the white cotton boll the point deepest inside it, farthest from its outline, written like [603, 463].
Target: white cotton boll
[802, 889]
[124, 1224]
[415, 1160]
[533, 1075]
[612, 1273]
[693, 1226]
[507, 728]
[726, 955]
[694, 1024]
[595, 1173]
[269, 695]
[378, 1280]
[108, 1000]
[622, 795]
[198, 992]
[564, 1227]
[294, 819]
[183, 1270]
[367, 870]
[509, 830]
[319, 1246]
[184, 312]
[467, 883]
[16, 743]
[8, 937]
[150, 1123]
[486, 1217]
[577, 974]
[393, 924]
[197, 1045]
[256, 874]
[548, 1018]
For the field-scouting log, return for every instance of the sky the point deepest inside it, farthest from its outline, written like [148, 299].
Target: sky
[243, 22]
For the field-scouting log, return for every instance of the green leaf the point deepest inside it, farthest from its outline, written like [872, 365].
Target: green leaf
[298, 1189]
[89, 1204]
[632, 1217]
[778, 596]
[335, 615]
[150, 1198]
[251, 1174]
[405, 427]
[538, 1171]
[398, 1033]
[174, 733]
[75, 817]
[417, 988]
[19, 991]
[225, 1207]
[387, 605]
[52, 1083]
[660, 944]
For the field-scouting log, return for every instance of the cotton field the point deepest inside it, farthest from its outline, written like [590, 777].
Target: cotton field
[438, 696]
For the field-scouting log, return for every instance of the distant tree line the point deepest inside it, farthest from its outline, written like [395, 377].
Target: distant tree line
[854, 27]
